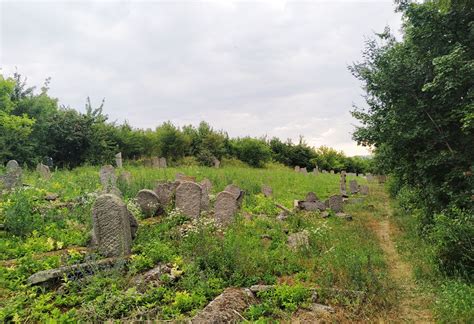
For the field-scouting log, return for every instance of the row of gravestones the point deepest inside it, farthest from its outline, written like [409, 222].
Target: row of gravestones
[114, 226]
[155, 162]
[305, 171]
[354, 187]
[13, 175]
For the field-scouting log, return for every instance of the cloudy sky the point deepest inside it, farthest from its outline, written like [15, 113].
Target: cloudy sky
[275, 68]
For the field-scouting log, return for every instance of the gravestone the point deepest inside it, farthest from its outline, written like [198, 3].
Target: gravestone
[188, 199]
[155, 162]
[311, 197]
[298, 240]
[108, 179]
[225, 208]
[118, 160]
[237, 192]
[364, 190]
[125, 177]
[43, 170]
[297, 169]
[324, 171]
[162, 163]
[267, 191]
[342, 183]
[353, 186]
[315, 171]
[12, 177]
[206, 187]
[311, 205]
[332, 171]
[149, 202]
[217, 163]
[111, 226]
[148, 163]
[304, 170]
[335, 203]
[165, 192]
[381, 178]
[369, 177]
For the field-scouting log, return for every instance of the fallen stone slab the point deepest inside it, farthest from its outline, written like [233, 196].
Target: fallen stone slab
[311, 205]
[227, 307]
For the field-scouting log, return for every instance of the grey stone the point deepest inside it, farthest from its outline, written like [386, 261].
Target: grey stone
[282, 215]
[162, 163]
[324, 171]
[13, 176]
[114, 190]
[118, 160]
[217, 163]
[342, 183]
[304, 170]
[148, 163]
[316, 171]
[225, 208]
[111, 226]
[188, 199]
[332, 171]
[107, 176]
[155, 162]
[325, 214]
[369, 177]
[312, 205]
[335, 203]
[297, 169]
[353, 186]
[206, 187]
[237, 192]
[298, 240]
[364, 190]
[43, 170]
[165, 192]
[267, 191]
[311, 197]
[381, 178]
[149, 202]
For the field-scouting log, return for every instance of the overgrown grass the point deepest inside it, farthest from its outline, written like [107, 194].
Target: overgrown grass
[204, 260]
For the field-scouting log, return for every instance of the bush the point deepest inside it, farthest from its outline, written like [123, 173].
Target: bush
[252, 151]
[20, 217]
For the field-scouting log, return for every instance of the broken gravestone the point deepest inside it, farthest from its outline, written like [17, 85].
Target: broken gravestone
[335, 203]
[108, 179]
[43, 170]
[111, 226]
[353, 186]
[149, 202]
[216, 163]
[206, 187]
[188, 199]
[118, 160]
[267, 191]
[364, 190]
[225, 208]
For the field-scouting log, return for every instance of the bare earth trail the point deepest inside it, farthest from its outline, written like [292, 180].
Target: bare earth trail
[412, 303]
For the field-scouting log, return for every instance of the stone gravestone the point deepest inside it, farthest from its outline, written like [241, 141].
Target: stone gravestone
[125, 177]
[43, 170]
[335, 203]
[149, 202]
[225, 208]
[353, 186]
[165, 192]
[148, 163]
[111, 226]
[108, 179]
[237, 192]
[267, 191]
[118, 160]
[316, 170]
[311, 197]
[332, 171]
[206, 187]
[217, 163]
[297, 169]
[162, 163]
[370, 177]
[12, 178]
[364, 190]
[155, 162]
[188, 199]
[342, 183]
[304, 170]
[381, 178]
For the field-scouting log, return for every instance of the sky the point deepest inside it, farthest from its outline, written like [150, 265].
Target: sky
[258, 68]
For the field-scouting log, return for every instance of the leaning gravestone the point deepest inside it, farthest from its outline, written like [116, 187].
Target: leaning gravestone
[206, 187]
[111, 226]
[149, 202]
[188, 199]
[162, 163]
[335, 203]
[267, 191]
[225, 208]
[118, 160]
[108, 179]
[353, 186]
[165, 192]
[43, 170]
[364, 190]
[12, 178]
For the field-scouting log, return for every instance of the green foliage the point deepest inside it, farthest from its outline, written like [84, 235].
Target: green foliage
[252, 151]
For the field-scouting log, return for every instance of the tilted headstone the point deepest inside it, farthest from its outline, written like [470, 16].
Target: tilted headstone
[206, 187]
[225, 208]
[43, 170]
[267, 191]
[297, 168]
[108, 179]
[237, 192]
[118, 159]
[165, 192]
[148, 163]
[364, 190]
[163, 163]
[188, 199]
[335, 203]
[149, 202]
[311, 205]
[311, 196]
[12, 177]
[353, 186]
[111, 226]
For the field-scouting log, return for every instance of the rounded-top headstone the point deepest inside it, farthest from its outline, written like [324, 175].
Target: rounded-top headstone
[43, 170]
[111, 226]
[225, 208]
[12, 165]
[149, 202]
[353, 186]
[236, 192]
[188, 199]
[107, 176]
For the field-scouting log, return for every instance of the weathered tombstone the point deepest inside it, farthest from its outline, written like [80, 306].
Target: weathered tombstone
[311, 197]
[165, 192]
[297, 168]
[343, 188]
[206, 187]
[43, 170]
[118, 160]
[149, 202]
[370, 177]
[381, 178]
[12, 178]
[364, 190]
[188, 199]
[225, 208]
[125, 177]
[108, 179]
[111, 226]
[325, 171]
[335, 203]
[155, 162]
[332, 171]
[148, 163]
[267, 191]
[183, 177]
[353, 186]
[217, 163]
[311, 205]
[304, 170]
[315, 170]
[237, 192]
[162, 163]
[298, 240]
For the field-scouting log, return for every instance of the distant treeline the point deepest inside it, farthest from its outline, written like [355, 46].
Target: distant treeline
[33, 126]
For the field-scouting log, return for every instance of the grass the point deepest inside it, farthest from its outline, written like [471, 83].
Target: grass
[204, 260]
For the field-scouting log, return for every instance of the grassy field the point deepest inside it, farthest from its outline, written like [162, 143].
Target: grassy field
[341, 255]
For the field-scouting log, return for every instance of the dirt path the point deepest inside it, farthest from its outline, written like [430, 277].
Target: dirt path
[412, 304]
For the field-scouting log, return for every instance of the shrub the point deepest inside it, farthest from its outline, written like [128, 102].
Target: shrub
[20, 217]
[252, 151]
